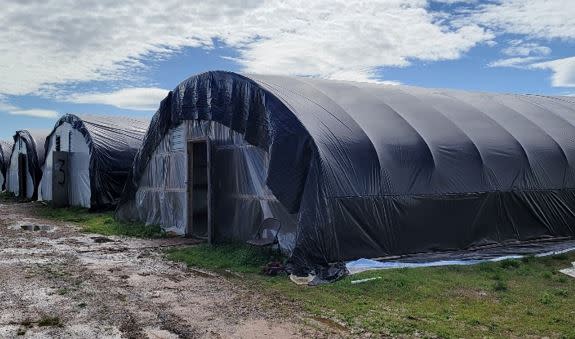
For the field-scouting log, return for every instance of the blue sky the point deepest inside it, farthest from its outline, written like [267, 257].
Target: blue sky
[82, 57]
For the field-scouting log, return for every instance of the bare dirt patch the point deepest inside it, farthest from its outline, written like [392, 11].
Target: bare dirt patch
[58, 282]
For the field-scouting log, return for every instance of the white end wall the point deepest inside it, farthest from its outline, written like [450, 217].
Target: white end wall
[71, 140]
[13, 183]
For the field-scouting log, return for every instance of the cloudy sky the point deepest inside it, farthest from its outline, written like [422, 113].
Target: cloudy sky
[121, 57]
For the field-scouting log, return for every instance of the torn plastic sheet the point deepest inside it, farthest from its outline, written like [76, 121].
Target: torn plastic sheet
[456, 259]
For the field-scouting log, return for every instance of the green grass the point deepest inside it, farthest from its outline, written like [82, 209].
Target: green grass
[236, 257]
[7, 196]
[99, 222]
[510, 298]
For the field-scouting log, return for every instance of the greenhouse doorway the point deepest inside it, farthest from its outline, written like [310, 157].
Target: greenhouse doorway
[60, 179]
[199, 190]
[22, 187]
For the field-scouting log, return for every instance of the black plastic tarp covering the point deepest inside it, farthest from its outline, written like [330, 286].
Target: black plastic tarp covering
[113, 142]
[5, 151]
[376, 170]
[34, 141]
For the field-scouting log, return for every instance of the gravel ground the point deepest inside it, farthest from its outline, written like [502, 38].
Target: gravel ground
[56, 282]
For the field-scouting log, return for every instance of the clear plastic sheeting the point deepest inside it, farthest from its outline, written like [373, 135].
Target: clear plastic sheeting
[372, 170]
[5, 151]
[161, 196]
[101, 151]
[30, 145]
[238, 186]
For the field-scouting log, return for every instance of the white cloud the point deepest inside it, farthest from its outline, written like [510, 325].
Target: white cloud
[522, 49]
[546, 19]
[563, 71]
[4, 105]
[352, 39]
[47, 43]
[44, 44]
[518, 62]
[451, 2]
[143, 99]
[39, 113]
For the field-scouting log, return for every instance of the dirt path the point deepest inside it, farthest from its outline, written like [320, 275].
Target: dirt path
[59, 282]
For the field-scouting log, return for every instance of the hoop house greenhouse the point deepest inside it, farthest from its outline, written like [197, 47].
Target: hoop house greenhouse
[26, 161]
[5, 150]
[355, 170]
[88, 159]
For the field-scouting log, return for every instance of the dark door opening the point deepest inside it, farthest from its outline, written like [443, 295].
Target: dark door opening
[199, 190]
[22, 187]
[60, 179]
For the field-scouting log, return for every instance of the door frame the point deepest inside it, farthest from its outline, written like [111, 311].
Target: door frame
[190, 182]
[22, 176]
[65, 171]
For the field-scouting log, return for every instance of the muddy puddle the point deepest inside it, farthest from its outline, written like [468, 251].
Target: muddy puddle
[32, 227]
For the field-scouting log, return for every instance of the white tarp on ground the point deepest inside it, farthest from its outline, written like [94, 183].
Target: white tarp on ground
[569, 271]
[363, 265]
[71, 140]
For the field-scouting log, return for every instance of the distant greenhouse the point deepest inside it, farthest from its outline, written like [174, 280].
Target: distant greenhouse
[355, 170]
[88, 158]
[26, 161]
[5, 151]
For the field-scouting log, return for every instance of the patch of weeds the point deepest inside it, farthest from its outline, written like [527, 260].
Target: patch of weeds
[27, 323]
[547, 275]
[4, 196]
[101, 222]
[485, 267]
[474, 322]
[500, 286]
[510, 264]
[546, 298]
[50, 321]
[561, 257]
[527, 259]
[235, 257]
[561, 292]
[62, 291]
